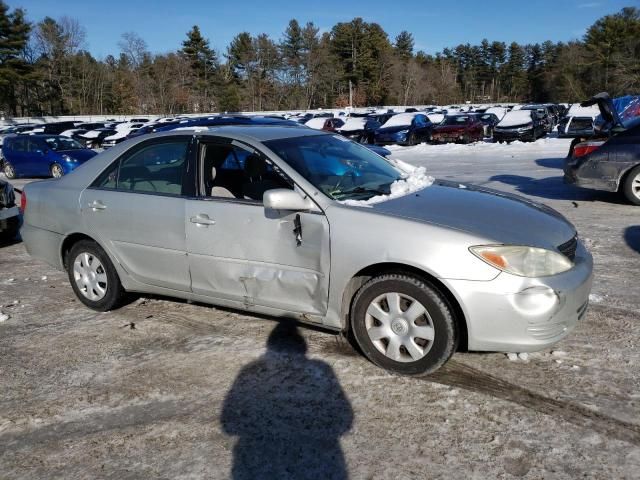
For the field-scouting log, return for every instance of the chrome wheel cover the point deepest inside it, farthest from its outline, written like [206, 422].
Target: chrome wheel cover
[399, 327]
[90, 276]
[56, 171]
[635, 186]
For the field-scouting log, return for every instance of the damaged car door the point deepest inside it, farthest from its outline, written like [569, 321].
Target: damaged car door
[243, 252]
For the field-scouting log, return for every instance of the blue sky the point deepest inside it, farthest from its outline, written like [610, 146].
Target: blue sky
[434, 25]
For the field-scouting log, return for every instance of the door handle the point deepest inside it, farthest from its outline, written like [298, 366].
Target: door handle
[202, 219]
[97, 205]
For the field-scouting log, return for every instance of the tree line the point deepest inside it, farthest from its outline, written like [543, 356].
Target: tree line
[45, 69]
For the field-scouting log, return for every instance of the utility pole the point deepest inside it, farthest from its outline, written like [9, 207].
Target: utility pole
[350, 94]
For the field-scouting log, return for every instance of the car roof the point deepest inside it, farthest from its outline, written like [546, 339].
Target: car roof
[259, 133]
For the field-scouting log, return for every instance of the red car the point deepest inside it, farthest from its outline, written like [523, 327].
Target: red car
[463, 128]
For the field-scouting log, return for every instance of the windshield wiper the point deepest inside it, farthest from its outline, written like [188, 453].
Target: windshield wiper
[358, 190]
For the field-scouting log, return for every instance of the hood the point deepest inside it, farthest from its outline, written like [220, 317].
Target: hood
[496, 216]
[394, 129]
[80, 155]
[449, 128]
[616, 114]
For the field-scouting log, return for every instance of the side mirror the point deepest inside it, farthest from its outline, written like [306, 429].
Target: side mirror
[284, 199]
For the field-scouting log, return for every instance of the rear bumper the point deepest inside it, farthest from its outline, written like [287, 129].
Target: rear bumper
[6, 213]
[572, 176]
[43, 244]
[517, 314]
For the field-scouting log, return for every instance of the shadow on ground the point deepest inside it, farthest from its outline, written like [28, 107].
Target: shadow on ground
[551, 162]
[554, 188]
[288, 413]
[632, 237]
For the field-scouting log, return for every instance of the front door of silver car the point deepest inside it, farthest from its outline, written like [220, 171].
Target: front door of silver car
[136, 210]
[241, 251]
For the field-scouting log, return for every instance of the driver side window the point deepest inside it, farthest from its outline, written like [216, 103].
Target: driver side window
[229, 171]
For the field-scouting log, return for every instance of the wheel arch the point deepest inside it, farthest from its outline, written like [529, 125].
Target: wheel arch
[365, 274]
[622, 178]
[68, 243]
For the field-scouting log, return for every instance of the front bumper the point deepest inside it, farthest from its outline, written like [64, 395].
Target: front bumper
[512, 135]
[518, 314]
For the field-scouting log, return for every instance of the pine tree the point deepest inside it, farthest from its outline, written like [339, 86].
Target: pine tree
[14, 35]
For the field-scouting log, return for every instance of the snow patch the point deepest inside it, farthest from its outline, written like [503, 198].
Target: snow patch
[595, 298]
[4, 317]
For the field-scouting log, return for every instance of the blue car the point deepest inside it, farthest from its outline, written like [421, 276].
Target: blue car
[42, 155]
[408, 128]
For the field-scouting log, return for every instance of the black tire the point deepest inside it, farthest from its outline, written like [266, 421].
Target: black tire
[56, 170]
[631, 187]
[114, 295]
[9, 171]
[411, 141]
[445, 339]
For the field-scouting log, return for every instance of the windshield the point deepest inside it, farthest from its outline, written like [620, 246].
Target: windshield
[338, 167]
[455, 120]
[61, 143]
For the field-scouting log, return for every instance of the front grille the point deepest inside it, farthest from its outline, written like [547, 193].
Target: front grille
[568, 249]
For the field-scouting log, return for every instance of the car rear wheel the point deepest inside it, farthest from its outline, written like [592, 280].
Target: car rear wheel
[403, 324]
[9, 171]
[93, 277]
[56, 170]
[631, 187]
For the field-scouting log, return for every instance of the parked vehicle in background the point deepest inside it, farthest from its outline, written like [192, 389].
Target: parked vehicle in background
[544, 114]
[404, 129]
[9, 213]
[42, 155]
[497, 111]
[327, 124]
[304, 118]
[360, 129]
[412, 277]
[459, 128]
[524, 125]
[489, 122]
[94, 138]
[610, 159]
[122, 132]
[435, 118]
[575, 126]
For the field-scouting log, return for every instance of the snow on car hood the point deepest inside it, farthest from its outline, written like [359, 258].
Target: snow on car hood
[496, 216]
[354, 123]
[415, 179]
[400, 120]
[517, 117]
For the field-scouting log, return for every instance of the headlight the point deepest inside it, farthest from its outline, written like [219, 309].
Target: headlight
[68, 158]
[526, 127]
[402, 132]
[523, 261]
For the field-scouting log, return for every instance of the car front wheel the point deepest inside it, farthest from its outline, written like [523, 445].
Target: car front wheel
[93, 277]
[9, 171]
[631, 187]
[56, 170]
[403, 324]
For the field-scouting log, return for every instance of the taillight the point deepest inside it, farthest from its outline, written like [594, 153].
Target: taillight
[23, 201]
[585, 148]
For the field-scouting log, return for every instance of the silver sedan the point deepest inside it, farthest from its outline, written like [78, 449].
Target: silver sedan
[299, 223]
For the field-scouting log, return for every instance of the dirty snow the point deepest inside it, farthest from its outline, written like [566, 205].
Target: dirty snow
[4, 317]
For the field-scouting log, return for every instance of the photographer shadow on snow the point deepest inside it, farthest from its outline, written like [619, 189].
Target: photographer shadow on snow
[288, 412]
[632, 237]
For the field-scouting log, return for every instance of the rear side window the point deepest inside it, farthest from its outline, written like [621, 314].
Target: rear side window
[155, 168]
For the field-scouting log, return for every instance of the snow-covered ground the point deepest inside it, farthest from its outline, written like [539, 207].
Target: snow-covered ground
[141, 392]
